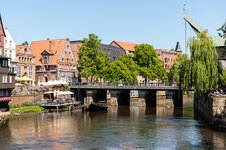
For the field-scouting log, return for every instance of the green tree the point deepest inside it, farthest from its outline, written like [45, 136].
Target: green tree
[92, 61]
[181, 70]
[222, 78]
[123, 70]
[150, 66]
[203, 63]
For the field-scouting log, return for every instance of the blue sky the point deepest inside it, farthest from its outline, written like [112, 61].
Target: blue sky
[156, 22]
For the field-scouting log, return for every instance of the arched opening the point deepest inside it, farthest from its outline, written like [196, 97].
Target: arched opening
[46, 79]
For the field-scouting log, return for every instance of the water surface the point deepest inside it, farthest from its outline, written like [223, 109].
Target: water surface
[118, 128]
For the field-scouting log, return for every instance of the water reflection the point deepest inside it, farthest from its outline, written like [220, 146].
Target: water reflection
[118, 128]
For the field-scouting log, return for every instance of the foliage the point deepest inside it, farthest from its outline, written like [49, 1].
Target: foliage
[181, 71]
[222, 78]
[150, 65]
[204, 62]
[201, 70]
[67, 87]
[27, 104]
[124, 70]
[27, 109]
[92, 62]
[222, 30]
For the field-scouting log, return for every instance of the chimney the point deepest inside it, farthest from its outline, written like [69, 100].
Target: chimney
[67, 39]
[49, 45]
[47, 39]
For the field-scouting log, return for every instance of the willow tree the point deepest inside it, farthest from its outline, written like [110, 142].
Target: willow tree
[203, 63]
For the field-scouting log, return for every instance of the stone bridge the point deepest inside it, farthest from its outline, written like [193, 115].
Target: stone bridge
[120, 93]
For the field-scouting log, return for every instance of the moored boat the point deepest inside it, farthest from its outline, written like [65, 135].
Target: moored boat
[95, 107]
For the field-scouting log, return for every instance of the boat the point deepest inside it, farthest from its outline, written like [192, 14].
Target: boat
[95, 107]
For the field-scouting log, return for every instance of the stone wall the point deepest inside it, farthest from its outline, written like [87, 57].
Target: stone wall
[18, 100]
[210, 109]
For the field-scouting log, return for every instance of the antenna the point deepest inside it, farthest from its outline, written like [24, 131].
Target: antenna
[185, 32]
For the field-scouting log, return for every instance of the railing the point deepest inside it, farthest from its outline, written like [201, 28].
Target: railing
[126, 84]
[11, 70]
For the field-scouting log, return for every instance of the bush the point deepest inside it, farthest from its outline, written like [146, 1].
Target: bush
[27, 109]
[27, 104]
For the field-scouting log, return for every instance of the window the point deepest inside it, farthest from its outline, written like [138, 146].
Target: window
[1, 93]
[113, 58]
[53, 75]
[39, 79]
[0, 49]
[10, 79]
[4, 78]
[30, 72]
[6, 93]
[4, 63]
[108, 51]
[19, 71]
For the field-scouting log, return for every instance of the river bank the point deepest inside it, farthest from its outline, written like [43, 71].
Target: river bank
[211, 110]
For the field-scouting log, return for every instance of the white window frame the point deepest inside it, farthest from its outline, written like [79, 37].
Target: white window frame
[10, 79]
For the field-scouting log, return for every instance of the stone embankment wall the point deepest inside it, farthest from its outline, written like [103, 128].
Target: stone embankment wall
[3, 116]
[212, 110]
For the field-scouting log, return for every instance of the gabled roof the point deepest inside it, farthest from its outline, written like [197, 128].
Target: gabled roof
[2, 26]
[178, 48]
[194, 25]
[219, 41]
[54, 46]
[125, 45]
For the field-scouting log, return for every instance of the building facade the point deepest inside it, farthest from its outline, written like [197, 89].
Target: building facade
[2, 37]
[112, 51]
[127, 47]
[7, 76]
[10, 49]
[169, 56]
[26, 61]
[54, 60]
[7, 82]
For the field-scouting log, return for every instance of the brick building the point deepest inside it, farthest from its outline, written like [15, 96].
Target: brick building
[2, 37]
[169, 56]
[127, 47]
[7, 76]
[112, 51]
[26, 61]
[54, 60]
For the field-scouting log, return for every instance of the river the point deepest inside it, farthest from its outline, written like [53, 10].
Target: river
[120, 127]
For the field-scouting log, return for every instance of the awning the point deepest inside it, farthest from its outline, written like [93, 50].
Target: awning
[64, 93]
[49, 92]
[52, 83]
[24, 78]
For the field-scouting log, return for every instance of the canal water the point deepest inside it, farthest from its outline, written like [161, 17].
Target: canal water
[121, 127]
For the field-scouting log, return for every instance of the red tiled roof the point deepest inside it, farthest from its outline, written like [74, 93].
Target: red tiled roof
[126, 45]
[54, 46]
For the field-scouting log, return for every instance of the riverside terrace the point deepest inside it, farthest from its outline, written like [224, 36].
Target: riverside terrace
[119, 93]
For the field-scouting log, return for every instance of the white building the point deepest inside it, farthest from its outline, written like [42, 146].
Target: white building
[10, 49]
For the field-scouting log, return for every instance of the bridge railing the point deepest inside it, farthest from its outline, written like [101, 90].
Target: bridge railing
[127, 84]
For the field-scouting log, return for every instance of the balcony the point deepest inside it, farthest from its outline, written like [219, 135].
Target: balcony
[12, 70]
